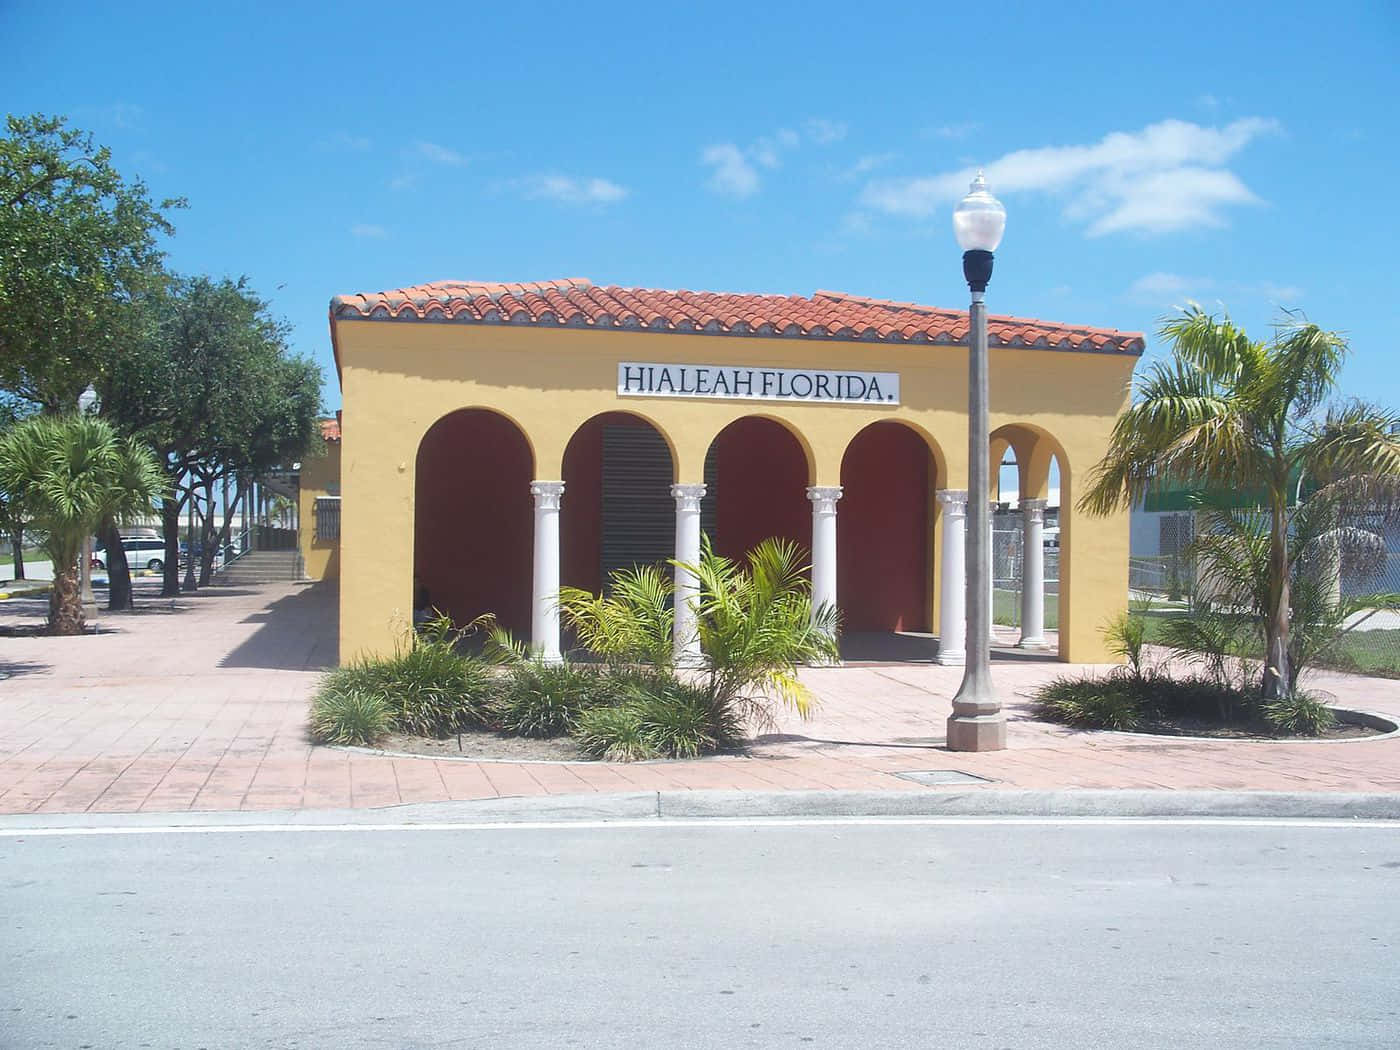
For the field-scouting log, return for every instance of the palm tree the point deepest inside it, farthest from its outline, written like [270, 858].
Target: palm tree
[75, 472]
[754, 618]
[1228, 413]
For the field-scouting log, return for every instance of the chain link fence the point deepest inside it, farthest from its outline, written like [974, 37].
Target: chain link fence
[1008, 568]
[1167, 581]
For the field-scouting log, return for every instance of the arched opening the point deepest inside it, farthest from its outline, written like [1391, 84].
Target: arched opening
[885, 530]
[1031, 468]
[473, 521]
[617, 510]
[756, 477]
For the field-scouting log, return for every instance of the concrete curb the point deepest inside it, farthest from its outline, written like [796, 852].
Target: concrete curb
[728, 805]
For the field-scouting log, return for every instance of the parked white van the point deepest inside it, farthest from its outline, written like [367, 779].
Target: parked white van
[140, 554]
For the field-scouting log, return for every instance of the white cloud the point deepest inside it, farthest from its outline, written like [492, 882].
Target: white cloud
[865, 165]
[824, 132]
[406, 181]
[1279, 294]
[1161, 287]
[732, 173]
[1168, 176]
[735, 169]
[366, 229]
[855, 223]
[439, 154]
[568, 189]
[953, 131]
[126, 114]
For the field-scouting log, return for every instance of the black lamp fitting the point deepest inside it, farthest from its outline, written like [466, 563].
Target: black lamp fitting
[977, 268]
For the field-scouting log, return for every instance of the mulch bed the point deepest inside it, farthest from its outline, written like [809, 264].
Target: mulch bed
[1245, 730]
[487, 745]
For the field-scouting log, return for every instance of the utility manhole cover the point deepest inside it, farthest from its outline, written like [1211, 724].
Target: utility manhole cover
[943, 776]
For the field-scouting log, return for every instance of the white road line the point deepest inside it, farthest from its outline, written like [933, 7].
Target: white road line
[715, 822]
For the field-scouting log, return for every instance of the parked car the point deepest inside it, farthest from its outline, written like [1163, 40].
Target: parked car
[140, 554]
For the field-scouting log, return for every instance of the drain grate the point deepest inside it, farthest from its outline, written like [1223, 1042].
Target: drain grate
[944, 776]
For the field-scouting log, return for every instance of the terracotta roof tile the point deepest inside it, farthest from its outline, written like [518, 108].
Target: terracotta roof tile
[575, 302]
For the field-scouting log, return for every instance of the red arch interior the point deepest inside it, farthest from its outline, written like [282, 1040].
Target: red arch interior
[473, 526]
[759, 476]
[884, 535]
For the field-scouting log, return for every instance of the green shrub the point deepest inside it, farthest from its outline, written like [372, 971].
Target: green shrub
[349, 716]
[1114, 701]
[613, 734]
[1299, 715]
[680, 720]
[1125, 635]
[1198, 697]
[545, 700]
[429, 688]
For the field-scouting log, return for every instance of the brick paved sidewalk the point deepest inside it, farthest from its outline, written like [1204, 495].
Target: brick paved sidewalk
[201, 703]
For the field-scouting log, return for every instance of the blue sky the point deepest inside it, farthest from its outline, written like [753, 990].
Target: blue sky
[1242, 154]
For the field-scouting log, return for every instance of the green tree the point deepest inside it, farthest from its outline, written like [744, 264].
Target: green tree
[209, 384]
[14, 515]
[754, 620]
[1229, 412]
[75, 471]
[78, 244]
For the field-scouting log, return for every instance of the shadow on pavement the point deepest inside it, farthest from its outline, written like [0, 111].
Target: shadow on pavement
[900, 647]
[18, 668]
[296, 633]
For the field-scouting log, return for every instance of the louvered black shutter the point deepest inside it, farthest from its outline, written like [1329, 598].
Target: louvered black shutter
[639, 517]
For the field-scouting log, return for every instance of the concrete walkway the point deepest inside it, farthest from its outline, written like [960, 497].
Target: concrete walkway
[200, 704]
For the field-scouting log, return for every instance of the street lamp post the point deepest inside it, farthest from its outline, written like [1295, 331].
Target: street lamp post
[87, 402]
[977, 722]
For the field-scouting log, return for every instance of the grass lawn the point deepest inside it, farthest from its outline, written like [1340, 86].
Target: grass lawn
[1006, 609]
[1365, 652]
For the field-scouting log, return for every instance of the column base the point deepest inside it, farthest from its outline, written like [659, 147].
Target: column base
[956, 659]
[977, 732]
[1031, 643]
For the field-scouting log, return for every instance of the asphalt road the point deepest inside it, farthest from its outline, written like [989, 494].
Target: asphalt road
[986, 934]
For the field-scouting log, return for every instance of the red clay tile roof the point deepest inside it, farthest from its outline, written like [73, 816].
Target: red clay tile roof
[330, 429]
[576, 303]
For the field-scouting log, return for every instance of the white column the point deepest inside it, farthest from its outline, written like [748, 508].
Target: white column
[685, 640]
[1033, 574]
[544, 620]
[823, 499]
[952, 587]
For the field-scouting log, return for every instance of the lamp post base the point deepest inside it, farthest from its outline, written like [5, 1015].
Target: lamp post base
[977, 732]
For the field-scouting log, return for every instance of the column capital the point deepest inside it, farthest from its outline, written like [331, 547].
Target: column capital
[547, 494]
[824, 497]
[1034, 509]
[688, 497]
[955, 500]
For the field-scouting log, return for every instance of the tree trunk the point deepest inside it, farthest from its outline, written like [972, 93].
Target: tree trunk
[118, 571]
[208, 537]
[66, 602]
[191, 583]
[170, 527]
[1276, 674]
[17, 542]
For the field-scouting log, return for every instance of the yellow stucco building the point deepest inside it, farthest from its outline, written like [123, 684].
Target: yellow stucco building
[502, 440]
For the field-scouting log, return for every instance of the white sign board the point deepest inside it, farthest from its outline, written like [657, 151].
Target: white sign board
[744, 383]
